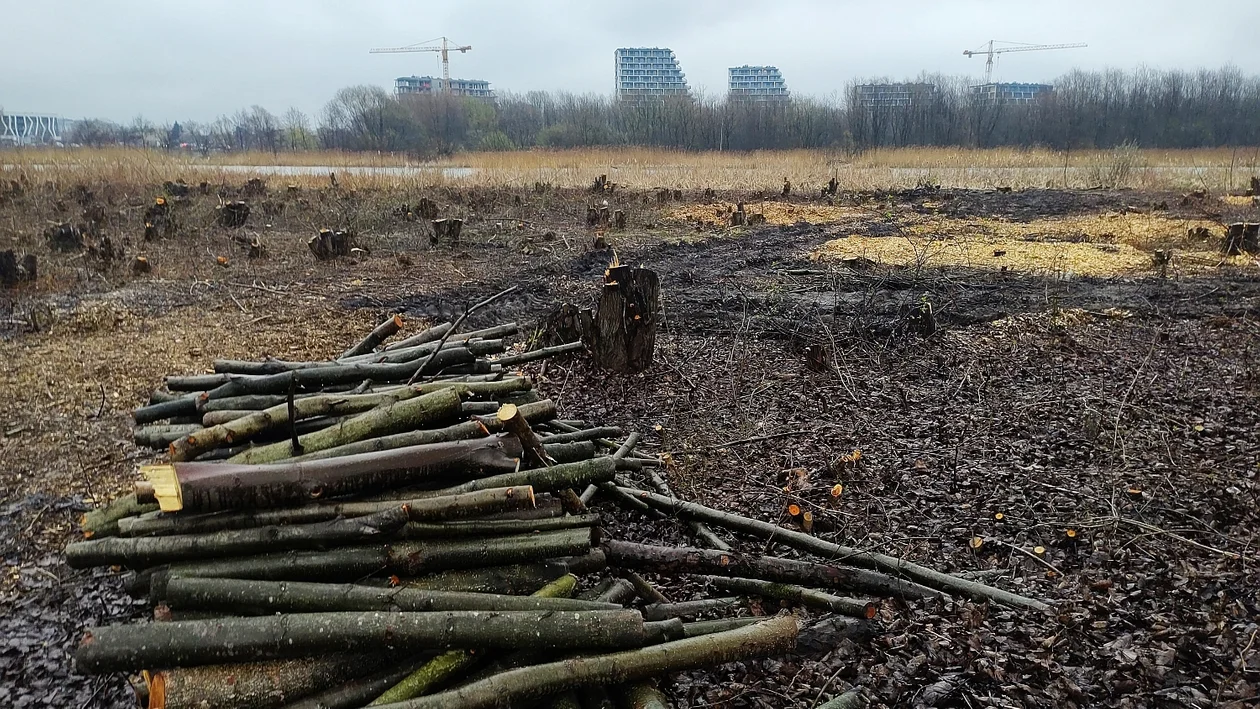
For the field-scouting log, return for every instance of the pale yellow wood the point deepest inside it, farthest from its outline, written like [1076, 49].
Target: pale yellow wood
[165, 486]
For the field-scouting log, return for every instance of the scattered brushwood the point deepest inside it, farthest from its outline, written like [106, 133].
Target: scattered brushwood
[329, 244]
[232, 214]
[426, 545]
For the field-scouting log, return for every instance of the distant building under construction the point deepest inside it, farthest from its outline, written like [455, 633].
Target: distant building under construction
[756, 83]
[1005, 93]
[902, 95]
[642, 72]
[414, 85]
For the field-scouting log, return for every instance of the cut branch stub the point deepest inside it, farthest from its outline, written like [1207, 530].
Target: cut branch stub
[623, 336]
[513, 422]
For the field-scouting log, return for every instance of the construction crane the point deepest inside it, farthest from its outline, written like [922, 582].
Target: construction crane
[990, 50]
[445, 48]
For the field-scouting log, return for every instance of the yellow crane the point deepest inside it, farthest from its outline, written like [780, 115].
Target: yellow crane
[990, 50]
[444, 48]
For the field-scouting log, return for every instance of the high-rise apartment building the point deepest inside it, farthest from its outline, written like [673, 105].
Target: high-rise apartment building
[475, 88]
[758, 83]
[900, 95]
[648, 72]
[1010, 92]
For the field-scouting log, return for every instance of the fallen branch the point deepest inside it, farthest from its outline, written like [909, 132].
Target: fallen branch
[379, 334]
[459, 321]
[858, 608]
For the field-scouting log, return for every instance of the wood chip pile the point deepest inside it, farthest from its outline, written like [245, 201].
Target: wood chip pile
[409, 526]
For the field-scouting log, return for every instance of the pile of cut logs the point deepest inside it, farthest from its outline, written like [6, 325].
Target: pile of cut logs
[413, 525]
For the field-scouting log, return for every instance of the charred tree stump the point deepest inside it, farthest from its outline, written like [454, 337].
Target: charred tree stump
[756, 218]
[254, 187]
[600, 184]
[623, 331]
[8, 268]
[787, 187]
[329, 244]
[1241, 238]
[232, 214]
[64, 237]
[157, 220]
[447, 229]
[709, 193]
[603, 217]
[739, 217]
[619, 220]
[832, 187]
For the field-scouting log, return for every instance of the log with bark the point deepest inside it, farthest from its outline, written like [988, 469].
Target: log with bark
[258, 685]
[191, 643]
[446, 507]
[856, 607]
[252, 597]
[206, 487]
[104, 520]
[141, 552]
[848, 555]
[528, 683]
[557, 477]
[403, 558]
[675, 560]
[379, 334]
[514, 579]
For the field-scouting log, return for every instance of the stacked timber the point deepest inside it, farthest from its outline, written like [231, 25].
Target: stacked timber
[413, 525]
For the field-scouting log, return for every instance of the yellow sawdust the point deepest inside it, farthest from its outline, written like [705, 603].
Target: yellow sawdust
[775, 212]
[1087, 245]
[1235, 200]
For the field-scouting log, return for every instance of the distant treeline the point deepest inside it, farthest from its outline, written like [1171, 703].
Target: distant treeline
[1154, 109]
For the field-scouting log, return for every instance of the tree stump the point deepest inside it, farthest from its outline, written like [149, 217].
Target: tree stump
[255, 187]
[592, 216]
[832, 187]
[623, 330]
[709, 193]
[662, 196]
[427, 209]
[619, 219]
[8, 268]
[739, 217]
[1241, 238]
[1254, 188]
[599, 242]
[566, 324]
[232, 214]
[64, 237]
[329, 244]
[787, 187]
[600, 184]
[448, 229]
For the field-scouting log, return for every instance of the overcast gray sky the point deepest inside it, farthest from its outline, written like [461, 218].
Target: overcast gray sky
[195, 60]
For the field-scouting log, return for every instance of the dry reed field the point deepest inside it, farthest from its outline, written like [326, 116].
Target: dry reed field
[1221, 170]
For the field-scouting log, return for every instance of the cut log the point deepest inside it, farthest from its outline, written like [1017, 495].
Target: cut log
[246, 597]
[514, 423]
[432, 334]
[682, 560]
[558, 477]
[207, 487]
[721, 625]
[159, 436]
[248, 428]
[641, 695]
[379, 334]
[197, 642]
[512, 579]
[259, 685]
[446, 666]
[319, 377]
[847, 555]
[624, 327]
[357, 693]
[586, 434]
[540, 353]
[515, 687]
[403, 558]
[103, 521]
[386, 419]
[687, 609]
[494, 528]
[541, 411]
[449, 507]
[856, 607]
[141, 552]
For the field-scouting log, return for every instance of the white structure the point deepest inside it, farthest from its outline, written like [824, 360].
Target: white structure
[648, 71]
[32, 128]
[758, 83]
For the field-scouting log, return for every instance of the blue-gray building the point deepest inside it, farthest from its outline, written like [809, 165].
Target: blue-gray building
[32, 128]
[411, 85]
[1010, 92]
[648, 71]
[757, 83]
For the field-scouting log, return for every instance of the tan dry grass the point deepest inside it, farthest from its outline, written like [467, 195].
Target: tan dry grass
[1090, 245]
[1216, 169]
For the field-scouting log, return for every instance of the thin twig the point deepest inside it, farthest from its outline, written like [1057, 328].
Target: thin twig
[454, 327]
[754, 439]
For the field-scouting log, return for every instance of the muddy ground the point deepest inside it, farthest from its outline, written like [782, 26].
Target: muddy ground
[1111, 421]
